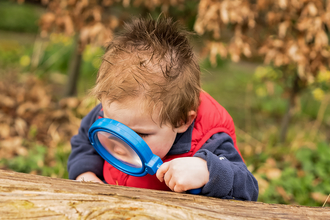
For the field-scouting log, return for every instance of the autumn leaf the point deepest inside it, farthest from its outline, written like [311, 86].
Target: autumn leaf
[320, 197]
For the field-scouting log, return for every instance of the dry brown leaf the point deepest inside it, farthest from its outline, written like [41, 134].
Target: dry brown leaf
[312, 9]
[22, 151]
[319, 197]
[70, 102]
[68, 25]
[46, 22]
[4, 130]
[262, 4]
[246, 50]
[113, 22]
[38, 119]
[107, 2]
[301, 173]
[273, 173]
[287, 198]
[247, 149]
[20, 126]
[270, 86]
[12, 142]
[270, 162]
[262, 183]
[7, 101]
[321, 40]
[26, 107]
[97, 13]
[282, 28]
[58, 114]
[283, 4]
[33, 172]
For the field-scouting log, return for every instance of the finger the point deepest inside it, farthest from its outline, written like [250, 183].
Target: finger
[178, 188]
[170, 183]
[168, 178]
[162, 170]
[176, 184]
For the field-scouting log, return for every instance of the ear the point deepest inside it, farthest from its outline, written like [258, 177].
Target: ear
[191, 116]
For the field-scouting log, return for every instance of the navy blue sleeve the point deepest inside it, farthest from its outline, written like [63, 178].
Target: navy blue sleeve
[229, 176]
[83, 156]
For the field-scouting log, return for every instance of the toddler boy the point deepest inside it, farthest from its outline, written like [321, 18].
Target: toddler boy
[149, 80]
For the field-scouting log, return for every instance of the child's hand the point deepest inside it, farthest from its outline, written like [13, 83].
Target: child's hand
[184, 173]
[89, 177]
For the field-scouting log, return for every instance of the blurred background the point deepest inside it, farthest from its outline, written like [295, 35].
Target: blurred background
[266, 62]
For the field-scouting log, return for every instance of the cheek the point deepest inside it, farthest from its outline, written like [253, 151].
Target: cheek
[159, 146]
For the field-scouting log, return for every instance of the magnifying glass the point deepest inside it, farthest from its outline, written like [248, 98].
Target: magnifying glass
[124, 149]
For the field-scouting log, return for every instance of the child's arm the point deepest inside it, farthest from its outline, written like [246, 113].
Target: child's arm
[216, 167]
[229, 176]
[83, 157]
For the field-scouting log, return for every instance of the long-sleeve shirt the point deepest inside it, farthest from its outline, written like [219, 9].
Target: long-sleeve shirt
[229, 177]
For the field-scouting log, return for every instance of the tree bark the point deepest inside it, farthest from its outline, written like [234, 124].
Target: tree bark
[29, 196]
[74, 69]
[288, 115]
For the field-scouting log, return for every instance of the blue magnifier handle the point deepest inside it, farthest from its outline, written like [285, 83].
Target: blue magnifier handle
[112, 132]
[195, 191]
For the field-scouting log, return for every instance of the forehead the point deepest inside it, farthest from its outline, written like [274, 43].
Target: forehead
[131, 111]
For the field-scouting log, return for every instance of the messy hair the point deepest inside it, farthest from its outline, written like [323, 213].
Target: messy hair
[152, 59]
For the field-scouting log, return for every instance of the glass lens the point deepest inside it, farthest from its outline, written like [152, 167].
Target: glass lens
[119, 149]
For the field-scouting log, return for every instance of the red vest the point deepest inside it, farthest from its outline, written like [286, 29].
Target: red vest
[211, 118]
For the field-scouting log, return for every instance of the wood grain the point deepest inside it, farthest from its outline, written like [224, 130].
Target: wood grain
[26, 196]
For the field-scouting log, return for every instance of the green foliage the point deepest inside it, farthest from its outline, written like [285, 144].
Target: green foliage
[19, 17]
[33, 161]
[189, 10]
[11, 53]
[272, 99]
[36, 162]
[53, 61]
[206, 63]
[316, 164]
[302, 171]
[309, 175]
[269, 91]
[57, 54]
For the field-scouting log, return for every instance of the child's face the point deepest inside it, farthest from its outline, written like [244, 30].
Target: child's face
[132, 114]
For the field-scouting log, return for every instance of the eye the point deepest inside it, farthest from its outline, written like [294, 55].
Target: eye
[142, 135]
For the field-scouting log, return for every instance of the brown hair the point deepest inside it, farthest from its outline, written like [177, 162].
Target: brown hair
[152, 59]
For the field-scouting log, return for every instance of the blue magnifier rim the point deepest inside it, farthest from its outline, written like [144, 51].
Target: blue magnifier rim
[150, 162]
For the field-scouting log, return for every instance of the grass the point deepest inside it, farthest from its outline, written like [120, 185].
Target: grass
[19, 17]
[228, 85]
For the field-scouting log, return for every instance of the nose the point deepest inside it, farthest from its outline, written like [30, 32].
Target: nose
[120, 150]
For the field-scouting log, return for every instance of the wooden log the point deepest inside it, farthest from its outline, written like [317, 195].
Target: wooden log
[26, 196]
